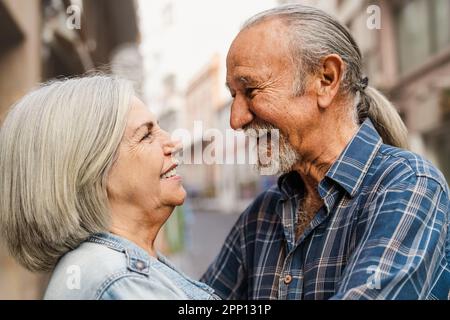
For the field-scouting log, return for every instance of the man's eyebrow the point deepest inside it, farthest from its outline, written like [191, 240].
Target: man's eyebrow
[245, 80]
[148, 124]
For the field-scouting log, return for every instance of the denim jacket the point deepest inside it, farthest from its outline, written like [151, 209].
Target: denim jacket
[108, 267]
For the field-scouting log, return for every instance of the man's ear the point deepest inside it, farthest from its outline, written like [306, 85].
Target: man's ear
[329, 79]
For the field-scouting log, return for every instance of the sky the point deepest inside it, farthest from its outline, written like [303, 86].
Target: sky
[181, 36]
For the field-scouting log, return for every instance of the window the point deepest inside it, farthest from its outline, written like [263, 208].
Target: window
[413, 32]
[441, 10]
[438, 147]
[423, 29]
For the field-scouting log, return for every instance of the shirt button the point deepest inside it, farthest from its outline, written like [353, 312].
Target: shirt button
[287, 279]
[140, 265]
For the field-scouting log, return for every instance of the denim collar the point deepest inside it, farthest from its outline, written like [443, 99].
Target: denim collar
[138, 259]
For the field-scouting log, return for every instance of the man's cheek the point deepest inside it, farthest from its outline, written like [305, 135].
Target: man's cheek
[267, 110]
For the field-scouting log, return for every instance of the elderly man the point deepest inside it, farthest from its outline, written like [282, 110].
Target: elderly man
[354, 215]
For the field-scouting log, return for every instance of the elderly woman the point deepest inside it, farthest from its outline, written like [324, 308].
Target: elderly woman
[87, 179]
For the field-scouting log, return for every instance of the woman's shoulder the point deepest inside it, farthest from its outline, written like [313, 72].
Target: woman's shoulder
[97, 270]
[83, 272]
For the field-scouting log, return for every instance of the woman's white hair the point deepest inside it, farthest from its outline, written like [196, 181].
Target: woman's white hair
[56, 147]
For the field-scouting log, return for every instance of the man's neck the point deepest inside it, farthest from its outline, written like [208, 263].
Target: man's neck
[312, 170]
[316, 163]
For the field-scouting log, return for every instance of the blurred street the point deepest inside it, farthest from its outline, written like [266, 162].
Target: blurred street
[174, 52]
[206, 232]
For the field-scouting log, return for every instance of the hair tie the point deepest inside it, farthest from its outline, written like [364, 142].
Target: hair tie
[364, 83]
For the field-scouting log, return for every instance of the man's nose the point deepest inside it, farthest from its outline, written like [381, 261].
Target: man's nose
[240, 113]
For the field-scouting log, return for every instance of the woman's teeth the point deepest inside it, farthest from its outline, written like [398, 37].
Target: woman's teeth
[169, 174]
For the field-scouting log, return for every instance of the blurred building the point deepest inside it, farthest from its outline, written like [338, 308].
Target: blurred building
[186, 80]
[162, 89]
[202, 101]
[408, 58]
[229, 183]
[239, 183]
[44, 39]
[20, 43]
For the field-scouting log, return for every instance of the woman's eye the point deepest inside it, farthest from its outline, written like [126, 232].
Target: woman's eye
[146, 136]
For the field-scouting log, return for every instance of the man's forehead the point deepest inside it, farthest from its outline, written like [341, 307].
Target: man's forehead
[250, 72]
[257, 45]
[263, 33]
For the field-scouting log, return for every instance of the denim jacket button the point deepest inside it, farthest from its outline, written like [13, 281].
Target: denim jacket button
[140, 265]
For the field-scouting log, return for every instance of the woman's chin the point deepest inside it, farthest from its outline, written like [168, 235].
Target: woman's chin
[179, 202]
[173, 191]
[178, 198]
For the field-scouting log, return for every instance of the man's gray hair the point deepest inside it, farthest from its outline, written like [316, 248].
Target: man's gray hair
[314, 34]
[56, 147]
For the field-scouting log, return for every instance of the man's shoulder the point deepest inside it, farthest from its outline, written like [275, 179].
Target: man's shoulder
[399, 165]
[268, 198]
[265, 204]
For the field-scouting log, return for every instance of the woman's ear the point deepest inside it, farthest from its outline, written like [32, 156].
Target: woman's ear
[329, 79]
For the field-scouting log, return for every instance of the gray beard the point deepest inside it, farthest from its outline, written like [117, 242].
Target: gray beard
[283, 155]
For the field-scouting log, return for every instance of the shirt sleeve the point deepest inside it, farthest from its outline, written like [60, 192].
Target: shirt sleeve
[402, 245]
[227, 274]
[136, 287]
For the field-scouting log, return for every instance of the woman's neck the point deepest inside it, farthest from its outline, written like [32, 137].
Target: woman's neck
[142, 238]
[137, 226]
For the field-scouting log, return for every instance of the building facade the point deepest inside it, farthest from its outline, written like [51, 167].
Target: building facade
[45, 39]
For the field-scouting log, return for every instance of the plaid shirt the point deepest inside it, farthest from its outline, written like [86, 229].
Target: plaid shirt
[382, 233]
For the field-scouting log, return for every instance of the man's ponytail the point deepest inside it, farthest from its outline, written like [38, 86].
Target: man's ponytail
[384, 116]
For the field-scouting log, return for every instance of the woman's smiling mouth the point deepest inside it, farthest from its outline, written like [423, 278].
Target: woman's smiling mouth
[169, 173]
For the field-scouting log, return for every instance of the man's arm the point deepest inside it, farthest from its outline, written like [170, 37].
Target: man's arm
[403, 244]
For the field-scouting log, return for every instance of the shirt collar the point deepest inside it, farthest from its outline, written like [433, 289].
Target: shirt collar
[348, 171]
[290, 184]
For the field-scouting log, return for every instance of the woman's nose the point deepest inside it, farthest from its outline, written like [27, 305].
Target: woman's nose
[171, 146]
[176, 146]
